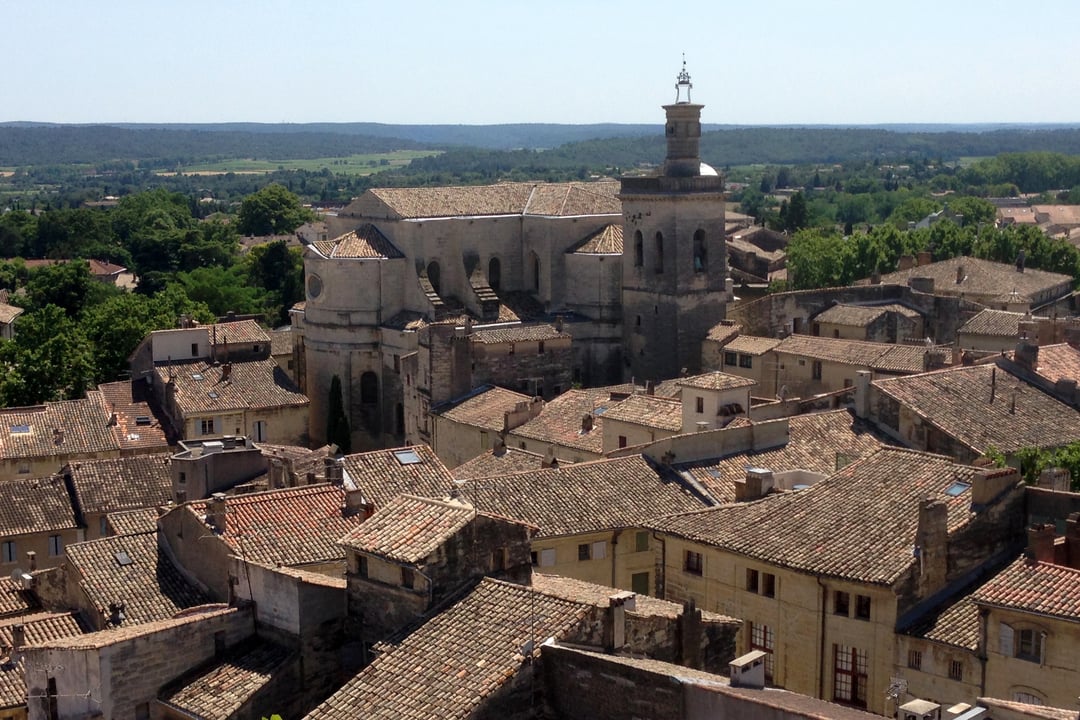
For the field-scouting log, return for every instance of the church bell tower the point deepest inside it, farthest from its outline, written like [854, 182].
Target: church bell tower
[674, 255]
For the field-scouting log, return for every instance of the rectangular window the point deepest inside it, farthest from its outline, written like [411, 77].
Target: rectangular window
[641, 541]
[534, 558]
[194, 349]
[8, 552]
[206, 426]
[1029, 645]
[24, 468]
[498, 560]
[693, 562]
[841, 603]
[849, 675]
[583, 551]
[768, 585]
[761, 638]
[699, 404]
[815, 370]
[408, 578]
[599, 550]
[56, 546]
[361, 566]
[752, 580]
[862, 607]
[956, 670]
[914, 659]
[639, 583]
[746, 361]
[622, 441]
[547, 557]
[730, 359]
[103, 526]
[540, 348]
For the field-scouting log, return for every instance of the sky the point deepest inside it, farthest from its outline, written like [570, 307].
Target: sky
[558, 61]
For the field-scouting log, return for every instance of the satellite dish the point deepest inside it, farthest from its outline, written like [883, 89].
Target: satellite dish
[16, 576]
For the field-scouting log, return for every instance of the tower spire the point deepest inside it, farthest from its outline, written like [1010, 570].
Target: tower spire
[682, 82]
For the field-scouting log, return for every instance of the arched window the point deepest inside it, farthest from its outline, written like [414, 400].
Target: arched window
[369, 388]
[535, 263]
[494, 274]
[701, 260]
[433, 276]
[659, 253]
[639, 249]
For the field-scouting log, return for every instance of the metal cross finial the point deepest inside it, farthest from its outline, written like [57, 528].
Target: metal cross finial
[683, 81]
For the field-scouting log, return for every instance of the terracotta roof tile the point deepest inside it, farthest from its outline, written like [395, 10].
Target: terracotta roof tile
[993, 322]
[8, 313]
[408, 529]
[958, 401]
[450, 665]
[586, 497]
[599, 596]
[132, 570]
[517, 333]
[981, 278]
[608, 240]
[252, 384]
[1034, 587]
[857, 525]
[715, 381]
[1059, 362]
[490, 464]
[861, 315]
[560, 421]
[1013, 708]
[128, 631]
[366, 241]
[724, 332]
[382, 475]
[39, 628]
[133, 522]
[13, 599]
[281, 341]
[136, 427]
[483, 408]
[875, 356]
[555, 199]
[219, 691]
[815, 441]
[237, 332]
[648, 410]
[35, 505]
[752, 345]
[83, 426]
[124, 483]
[293, 526]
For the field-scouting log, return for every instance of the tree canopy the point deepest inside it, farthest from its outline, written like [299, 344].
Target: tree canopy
[273, 210]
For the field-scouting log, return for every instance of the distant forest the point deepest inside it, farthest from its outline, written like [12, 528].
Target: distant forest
[553, 147]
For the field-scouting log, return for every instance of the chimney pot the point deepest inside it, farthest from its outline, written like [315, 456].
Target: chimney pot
[18, 636]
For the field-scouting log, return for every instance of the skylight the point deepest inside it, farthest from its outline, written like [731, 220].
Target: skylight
[20, 429]
[407, 457]
[957, 488]
[122, 558]
[142, 419]
[212, 394]
[196, 376]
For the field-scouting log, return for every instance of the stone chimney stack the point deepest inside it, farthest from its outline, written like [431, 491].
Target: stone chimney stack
[1072, 541]
[960, 274]
[1027, 355]
[757, 483]
[216, 510]
[1041, 542]
[932, 544]
[989, 484]
[906, 262]
[18, 636]
[924, 258]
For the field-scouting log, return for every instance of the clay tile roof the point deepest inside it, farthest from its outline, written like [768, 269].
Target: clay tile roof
[136, 427]
[39, 628]
[550, 199]
[382, 475]
[1059, 362]
[83, 425]
[1012, 708]
[133, 522]
[489, 464]
[958, 401]
[724, 332]
[366, 241]
[124, 483]
[560, 421]
[608, 240]
[219, 691]
[8, 313]
[127, 631]
[586, 497]
[409, 529]
[568, 199]
[861, 315]
[517, 333]
[13, 599]
[281, 342]
[238, 332]
[483, 408]
[251, 384]
[982, 278]
[858, 525]
[599, 596]
[292, 526]
[35, 505]
[1034, 587]
[451, 664]
[648, 410]
[993, 322]
[715, 381]
[150, 586]
[752, 344]
[886, 357]
[816, 442]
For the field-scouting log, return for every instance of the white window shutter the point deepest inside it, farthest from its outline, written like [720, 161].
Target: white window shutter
[547, 557]
[1005, 639]
[599, 550]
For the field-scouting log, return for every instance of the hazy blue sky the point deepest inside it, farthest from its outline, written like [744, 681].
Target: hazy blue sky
[582, 61]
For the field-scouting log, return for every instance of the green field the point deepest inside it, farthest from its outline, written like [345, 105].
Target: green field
[351, 165]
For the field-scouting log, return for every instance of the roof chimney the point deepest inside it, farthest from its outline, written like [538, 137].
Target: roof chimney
[215, 512]
[31, 560]
[586, 422]
[18, 636]
[650, 388]
[924, 258]
[1072, 541]
[355, 504]
[757, 483]
[550, 461]
[932, 543]
[906, 262]
[989, 483]
[226, 372]
[498, 448]
[1040, 546]
[1027, 355]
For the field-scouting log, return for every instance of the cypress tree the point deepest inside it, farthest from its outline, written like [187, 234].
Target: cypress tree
[337, 422]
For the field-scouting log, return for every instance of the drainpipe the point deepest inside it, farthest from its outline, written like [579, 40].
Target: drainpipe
[614, 547]
[661, 585]
[821, 642]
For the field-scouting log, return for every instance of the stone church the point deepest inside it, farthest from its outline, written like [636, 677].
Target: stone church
[633, 273]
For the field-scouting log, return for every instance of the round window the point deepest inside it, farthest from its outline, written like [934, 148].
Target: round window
[314, 286]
